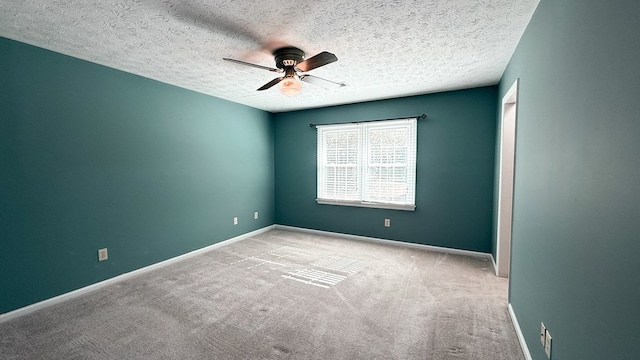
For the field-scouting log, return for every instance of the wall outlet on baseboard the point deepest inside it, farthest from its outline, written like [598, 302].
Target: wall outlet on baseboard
[255, 215]
[235, 220]
[103, 254]
[387, 222]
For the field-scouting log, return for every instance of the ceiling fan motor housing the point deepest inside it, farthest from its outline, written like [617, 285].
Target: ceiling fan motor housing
[288, 57]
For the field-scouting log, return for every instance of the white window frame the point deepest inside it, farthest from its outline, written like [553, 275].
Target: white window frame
[362, 197]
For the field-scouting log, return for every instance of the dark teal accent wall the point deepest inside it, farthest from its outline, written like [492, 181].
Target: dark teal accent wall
[456, 148]
[91, 157]
[576, 232]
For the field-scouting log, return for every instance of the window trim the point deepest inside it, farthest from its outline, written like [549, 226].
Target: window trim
[367, 204]
[362, 162]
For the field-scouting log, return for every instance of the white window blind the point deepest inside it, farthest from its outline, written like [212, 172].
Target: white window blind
[370, 164]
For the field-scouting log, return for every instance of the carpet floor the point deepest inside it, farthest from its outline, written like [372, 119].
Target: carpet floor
[283, 295]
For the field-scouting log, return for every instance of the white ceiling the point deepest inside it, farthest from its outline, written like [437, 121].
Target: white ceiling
[385, 48]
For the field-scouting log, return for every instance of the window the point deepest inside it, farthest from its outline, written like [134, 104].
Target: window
[371, 164]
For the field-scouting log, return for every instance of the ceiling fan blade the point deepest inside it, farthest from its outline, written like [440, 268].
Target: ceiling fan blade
[316, 61]
[270, 83]
[327, 84]
[253, 65]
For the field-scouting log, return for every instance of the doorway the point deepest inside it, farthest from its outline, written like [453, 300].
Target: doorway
[506, 179]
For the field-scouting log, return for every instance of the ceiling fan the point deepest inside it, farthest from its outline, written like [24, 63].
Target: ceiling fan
[290, 61]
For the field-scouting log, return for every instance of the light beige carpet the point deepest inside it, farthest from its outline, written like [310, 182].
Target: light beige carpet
[284, 295]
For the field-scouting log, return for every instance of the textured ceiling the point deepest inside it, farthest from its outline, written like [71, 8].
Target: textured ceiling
[386, 48]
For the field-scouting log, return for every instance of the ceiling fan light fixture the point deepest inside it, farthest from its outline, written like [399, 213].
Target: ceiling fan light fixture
[290, 85]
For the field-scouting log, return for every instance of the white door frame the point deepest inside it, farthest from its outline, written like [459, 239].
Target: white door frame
[506, 180]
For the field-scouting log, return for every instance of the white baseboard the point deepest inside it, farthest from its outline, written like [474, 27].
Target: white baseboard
[93, 287]
[388, 242]
[523, 343]
[494, 264]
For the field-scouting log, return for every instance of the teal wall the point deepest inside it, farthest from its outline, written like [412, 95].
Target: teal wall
[91, 157]
[456, 149]
[576, 231]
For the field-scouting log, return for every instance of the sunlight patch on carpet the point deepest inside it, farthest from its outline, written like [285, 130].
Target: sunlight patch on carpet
[315, 277]
[288, 251]
[273, 257]
[342, 264]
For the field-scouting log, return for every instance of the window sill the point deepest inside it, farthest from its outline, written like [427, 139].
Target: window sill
[366, 204]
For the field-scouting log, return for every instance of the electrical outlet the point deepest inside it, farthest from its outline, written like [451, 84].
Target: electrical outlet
[547, 344]
[387, 222]
[103, 254]
[255, 215]
[235, 220]
[543, 333]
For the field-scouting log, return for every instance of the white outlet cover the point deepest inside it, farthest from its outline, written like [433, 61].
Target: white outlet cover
[103, 254]
[255, 215]
[235, 220]
[543, 333]
[387, 222]
[547, 344]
